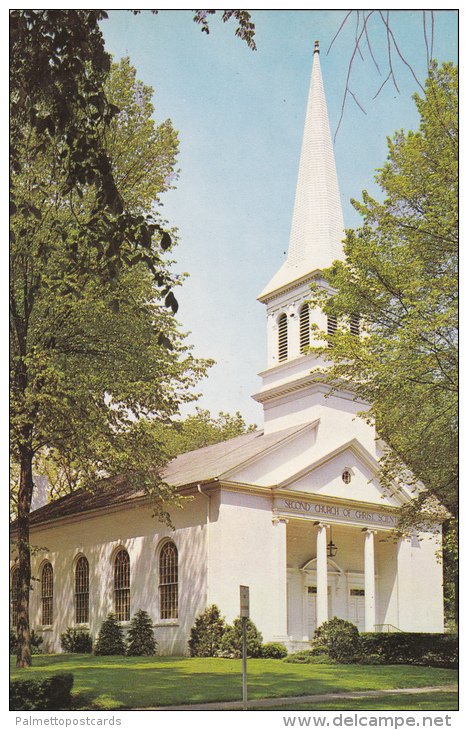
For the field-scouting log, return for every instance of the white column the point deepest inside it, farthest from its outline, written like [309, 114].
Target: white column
[282, 573]
[369, 581]
[322, 578]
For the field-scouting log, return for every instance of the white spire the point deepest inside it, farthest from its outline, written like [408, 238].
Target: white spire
[317, 224]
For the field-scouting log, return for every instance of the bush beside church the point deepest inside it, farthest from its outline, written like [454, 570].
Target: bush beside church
[338, 641]
[211, 636]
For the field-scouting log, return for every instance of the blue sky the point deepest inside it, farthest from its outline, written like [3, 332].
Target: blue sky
[240, 118]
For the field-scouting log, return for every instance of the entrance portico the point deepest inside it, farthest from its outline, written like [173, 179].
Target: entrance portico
[358, 584]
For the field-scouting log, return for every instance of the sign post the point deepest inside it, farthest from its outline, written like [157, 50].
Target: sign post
[244, 614]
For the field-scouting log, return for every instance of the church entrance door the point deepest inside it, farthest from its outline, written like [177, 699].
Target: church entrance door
[356, 607]
[312, 609]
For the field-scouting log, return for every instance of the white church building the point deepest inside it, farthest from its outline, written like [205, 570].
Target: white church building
[294, 511]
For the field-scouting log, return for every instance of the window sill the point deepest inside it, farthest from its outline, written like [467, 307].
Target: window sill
[167, 622]
[49, 627]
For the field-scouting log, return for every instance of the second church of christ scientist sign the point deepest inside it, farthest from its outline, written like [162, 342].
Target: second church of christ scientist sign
[335, 512]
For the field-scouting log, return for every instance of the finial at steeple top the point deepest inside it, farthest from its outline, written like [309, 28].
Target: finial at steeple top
[316, 47]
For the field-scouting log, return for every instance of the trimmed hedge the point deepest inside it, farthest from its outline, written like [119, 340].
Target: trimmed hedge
[435, 650]
[52, 693]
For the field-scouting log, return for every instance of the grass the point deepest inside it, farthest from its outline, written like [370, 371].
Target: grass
[125, 682]
[436, 701]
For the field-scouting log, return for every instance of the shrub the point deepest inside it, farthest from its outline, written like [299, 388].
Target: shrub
[52, 693]
[274, 651]
[140, 637]
[317, 649]
[36, 642]
[308, 657]
[231, 645]
[76, 641]
[369, 659]
[437, 650]
[340, 638]
[110, 640]
[299, 657]
[207, 633]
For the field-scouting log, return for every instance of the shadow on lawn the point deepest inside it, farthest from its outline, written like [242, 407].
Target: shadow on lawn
[111, 683]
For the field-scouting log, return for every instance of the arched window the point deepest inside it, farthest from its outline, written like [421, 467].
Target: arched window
[331, 327]
[304, 327]
[14, 588]
[354, 324]
[47, 594]
[282, 337]
[122, 586]
[168, 581]
[82, 591]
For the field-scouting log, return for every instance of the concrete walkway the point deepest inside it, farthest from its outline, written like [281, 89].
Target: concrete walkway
[303, 699]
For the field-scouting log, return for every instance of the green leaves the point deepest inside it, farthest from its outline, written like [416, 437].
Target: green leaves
[96, 354]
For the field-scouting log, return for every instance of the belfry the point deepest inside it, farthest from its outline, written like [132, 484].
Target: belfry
[295, 511]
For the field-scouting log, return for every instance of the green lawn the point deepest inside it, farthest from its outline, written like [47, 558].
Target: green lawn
[124, 682]
[428, 701]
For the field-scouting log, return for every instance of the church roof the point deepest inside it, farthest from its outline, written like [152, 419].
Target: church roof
[202, 465]
[317, 228]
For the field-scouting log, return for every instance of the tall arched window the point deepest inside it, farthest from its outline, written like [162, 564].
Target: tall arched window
[82, 591]
[122, 586]
[282, 337]
[168, 581]
[47, 594]
[14, 586]
[331, 327]
[304, 327]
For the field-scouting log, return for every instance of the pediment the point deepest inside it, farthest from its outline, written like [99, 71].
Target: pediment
[275, 464]
[324, 477]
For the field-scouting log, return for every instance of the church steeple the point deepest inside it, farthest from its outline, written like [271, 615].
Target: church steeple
[290, 388]
[317, 223]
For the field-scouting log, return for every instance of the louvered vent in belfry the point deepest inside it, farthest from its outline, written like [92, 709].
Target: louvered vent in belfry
[304, 327]
[354, 325]
[283, 337]
[331, 327]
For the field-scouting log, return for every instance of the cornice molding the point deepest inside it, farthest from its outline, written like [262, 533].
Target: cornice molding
[314, 383]
[290, 286]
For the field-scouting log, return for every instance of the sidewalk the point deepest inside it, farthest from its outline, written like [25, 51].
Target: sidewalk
[284, 701]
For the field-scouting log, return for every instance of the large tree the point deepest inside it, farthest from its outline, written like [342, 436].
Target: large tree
[399, 277]
[95, 350]
[65, 472]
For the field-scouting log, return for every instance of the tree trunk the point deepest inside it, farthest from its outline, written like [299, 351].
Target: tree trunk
[23, 652]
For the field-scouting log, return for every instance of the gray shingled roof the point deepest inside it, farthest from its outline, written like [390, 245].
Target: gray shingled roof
[213, 461]
[201, 465]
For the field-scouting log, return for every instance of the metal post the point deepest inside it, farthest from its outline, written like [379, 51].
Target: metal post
[244, 663]
[245, 615]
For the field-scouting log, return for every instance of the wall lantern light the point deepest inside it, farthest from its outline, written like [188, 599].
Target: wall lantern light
[331, 547]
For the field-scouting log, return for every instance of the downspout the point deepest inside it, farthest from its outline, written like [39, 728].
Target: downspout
[207, 540]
